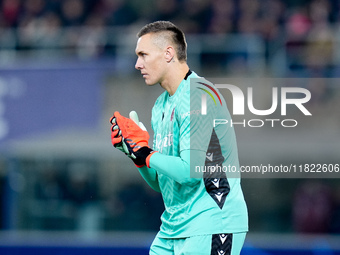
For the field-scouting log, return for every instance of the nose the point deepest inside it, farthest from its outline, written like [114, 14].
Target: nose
[138, 64]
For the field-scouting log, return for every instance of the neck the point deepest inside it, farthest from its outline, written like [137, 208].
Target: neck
[174, 77]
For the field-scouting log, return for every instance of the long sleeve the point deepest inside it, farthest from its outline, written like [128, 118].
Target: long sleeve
[178, 168]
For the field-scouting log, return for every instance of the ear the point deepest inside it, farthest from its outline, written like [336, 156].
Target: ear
[169, 54]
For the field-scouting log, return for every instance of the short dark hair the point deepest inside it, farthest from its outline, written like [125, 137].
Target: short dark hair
[177, 36]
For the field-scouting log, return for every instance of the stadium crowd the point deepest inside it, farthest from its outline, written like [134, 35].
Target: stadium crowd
[271, 19]
[197, 16]
[308, 30]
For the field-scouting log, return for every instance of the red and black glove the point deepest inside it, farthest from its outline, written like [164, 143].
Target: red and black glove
[131, 138]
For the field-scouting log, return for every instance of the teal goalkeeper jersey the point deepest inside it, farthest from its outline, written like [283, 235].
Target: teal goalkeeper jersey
[211, 204]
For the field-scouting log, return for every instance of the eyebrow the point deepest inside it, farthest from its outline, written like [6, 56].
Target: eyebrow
[140, 52]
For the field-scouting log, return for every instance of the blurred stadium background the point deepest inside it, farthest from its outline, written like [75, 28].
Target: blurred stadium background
[66, 65]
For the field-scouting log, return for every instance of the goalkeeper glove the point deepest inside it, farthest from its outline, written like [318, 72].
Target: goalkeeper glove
[131, 138]
[116, 134]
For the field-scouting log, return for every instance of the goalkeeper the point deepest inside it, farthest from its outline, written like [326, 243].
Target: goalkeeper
[206, 214]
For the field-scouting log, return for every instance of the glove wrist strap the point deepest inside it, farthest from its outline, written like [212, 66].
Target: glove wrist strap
[141, 156]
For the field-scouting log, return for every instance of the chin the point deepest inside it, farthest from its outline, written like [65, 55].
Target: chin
[150, 83]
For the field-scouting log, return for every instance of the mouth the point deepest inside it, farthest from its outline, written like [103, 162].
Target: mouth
[144, 75]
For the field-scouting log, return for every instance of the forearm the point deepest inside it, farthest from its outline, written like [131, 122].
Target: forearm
[177, 168]
[150, 176]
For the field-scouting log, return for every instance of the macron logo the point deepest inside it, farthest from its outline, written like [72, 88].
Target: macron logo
[216, 182]
[219, 196]
[210, 156]
[223, 237]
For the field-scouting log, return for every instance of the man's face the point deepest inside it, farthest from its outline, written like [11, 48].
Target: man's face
[151, 60]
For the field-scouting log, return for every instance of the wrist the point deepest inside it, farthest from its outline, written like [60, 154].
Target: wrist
[143, 156]
[147, 161]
